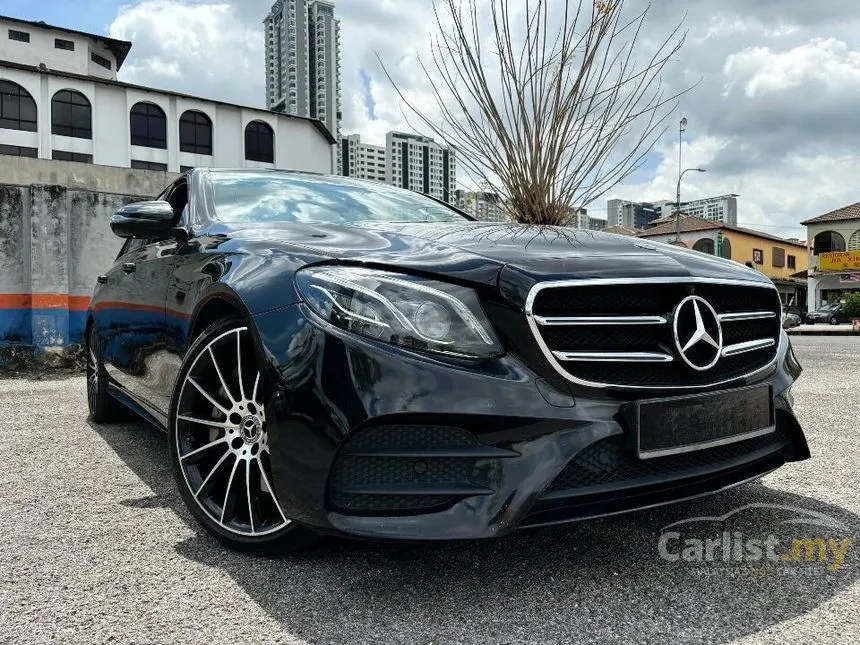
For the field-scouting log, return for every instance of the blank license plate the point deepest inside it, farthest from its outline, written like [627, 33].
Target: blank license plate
[685, 423]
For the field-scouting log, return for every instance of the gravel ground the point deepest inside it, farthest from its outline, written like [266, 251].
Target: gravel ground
[98, 548]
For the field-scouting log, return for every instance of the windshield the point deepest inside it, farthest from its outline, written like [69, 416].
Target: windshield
[829, 307]
[285, 197]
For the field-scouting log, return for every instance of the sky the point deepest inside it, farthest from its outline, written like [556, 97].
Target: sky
[774, 114]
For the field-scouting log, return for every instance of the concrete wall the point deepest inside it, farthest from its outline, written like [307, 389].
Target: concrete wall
[55, 240]
[21, 171]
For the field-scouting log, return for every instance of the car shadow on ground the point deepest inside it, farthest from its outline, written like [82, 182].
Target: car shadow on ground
[601, 580]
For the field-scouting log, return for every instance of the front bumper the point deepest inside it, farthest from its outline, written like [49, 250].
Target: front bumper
[372, 441]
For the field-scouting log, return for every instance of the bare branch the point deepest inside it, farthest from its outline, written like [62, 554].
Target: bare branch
[547, 105]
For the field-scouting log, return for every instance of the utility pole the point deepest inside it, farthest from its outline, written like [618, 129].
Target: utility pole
[681, 129]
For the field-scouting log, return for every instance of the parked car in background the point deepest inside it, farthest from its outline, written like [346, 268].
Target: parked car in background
[832, 314]
[790, 319]
[800, 312]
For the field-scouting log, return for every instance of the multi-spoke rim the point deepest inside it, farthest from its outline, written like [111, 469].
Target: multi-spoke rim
[92, 373]
[222, 441]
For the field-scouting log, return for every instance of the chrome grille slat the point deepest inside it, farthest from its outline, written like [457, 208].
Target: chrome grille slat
[619, 333]
[615, 357]
[600, 320]
[737, 316]
[748, 346]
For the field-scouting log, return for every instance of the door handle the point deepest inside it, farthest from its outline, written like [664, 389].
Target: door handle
[129, 267]
[102, 279]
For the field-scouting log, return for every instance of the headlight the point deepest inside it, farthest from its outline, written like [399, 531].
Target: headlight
[400, 309]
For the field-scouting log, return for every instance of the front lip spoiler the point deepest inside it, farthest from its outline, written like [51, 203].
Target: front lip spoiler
[561, 515]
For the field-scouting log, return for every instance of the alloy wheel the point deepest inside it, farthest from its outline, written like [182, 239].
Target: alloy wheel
[92, 373]
[222, 440]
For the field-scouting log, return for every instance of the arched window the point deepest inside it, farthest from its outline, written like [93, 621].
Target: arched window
[71, 115]
[148, 126]
[259, 142]
[726, 249]
[17, 108]
[828, 242]
[195, 133]
[705, 245]
[854, 241]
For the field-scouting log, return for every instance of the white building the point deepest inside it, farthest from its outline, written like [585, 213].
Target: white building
[723, 208]
[833, 243]
[420, 164]
[632, 215]
[59, 99]
[485, 206]
[303, 60]
[362, 160]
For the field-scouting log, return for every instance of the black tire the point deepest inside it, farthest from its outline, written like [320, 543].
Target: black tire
[102, 406]
[217, 424]
[833, 320]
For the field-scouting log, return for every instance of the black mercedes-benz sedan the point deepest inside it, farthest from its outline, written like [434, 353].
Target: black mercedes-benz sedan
[333, 356]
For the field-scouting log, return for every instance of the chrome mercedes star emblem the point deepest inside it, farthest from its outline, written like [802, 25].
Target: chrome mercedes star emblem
[698, 333]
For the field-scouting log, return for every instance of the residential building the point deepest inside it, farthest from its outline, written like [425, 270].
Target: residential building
[833, 241]
[420, 164]
[621, 212]
[485, 206]
[596, 224]
[783, 261]
[303, 60]
[60, 100]
[723, 208]
[579, 218]
[362, 160]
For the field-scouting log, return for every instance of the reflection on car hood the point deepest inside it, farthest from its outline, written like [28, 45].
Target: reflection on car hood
[479, 251]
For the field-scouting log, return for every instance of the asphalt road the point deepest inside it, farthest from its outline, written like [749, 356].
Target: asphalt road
[97, 547]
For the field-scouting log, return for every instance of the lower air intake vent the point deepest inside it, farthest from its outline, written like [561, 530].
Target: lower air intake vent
[403, 469]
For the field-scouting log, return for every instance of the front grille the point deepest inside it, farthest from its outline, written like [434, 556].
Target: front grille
[612, 462]
[402, 469]
[620, 334]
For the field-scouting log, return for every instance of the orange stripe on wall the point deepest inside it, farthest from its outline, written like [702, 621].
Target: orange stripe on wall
[15, 300]
[79, 303]
[43, 301]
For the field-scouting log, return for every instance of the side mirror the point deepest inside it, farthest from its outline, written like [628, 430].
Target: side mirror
[142, 219]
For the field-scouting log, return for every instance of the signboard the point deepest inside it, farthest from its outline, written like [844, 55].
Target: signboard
[840, 261]
[849, 277]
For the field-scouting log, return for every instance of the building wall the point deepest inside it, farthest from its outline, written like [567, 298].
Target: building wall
[41, 49]
[831, 286]
[298, 143]
[744, 245]
[848, 229]
[54, 242]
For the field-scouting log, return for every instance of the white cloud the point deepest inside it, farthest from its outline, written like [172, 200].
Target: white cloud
[762, 71]
[200, 49]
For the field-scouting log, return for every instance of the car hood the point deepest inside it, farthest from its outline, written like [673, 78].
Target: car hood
[491, 253]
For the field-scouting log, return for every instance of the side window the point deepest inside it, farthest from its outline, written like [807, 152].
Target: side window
[179, 200]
